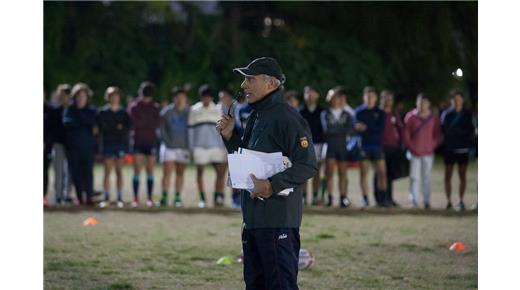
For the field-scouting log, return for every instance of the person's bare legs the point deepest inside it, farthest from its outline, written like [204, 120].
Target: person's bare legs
[315, 185]
[151, 160]
[179, 176]
[342, 176]
[200, 184]
[330, 170]
[448, 173]
[363, 179]
[221, 169]
[119, 162]
[200, 178]
[179, 180]
[462, 169]
[108, 164]
[342, 183]
[381, 185]
[167, 172]
[138, 165]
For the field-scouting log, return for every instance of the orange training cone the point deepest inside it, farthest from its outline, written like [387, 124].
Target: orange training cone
[457, 246]
[90, 222]
[129, 159]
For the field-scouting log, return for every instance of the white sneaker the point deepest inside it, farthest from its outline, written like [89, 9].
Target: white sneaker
[202, 204]
[135, 204]
[149, 203]
[120, 204]
[178, 204]
[103, 204]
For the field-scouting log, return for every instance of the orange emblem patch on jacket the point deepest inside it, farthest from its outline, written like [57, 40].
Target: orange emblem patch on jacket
[303, 142]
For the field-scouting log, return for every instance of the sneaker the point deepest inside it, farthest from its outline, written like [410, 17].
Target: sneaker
[120, 204]
[414, 204]
[345, 202]
[135, 203]
[149, 203]
[395, 204]
[103, 204]
[164, 201]
[329, 202]
[219, 200]
[462, 207]
[366, 204]
[449, 206]
[202, 204]
[427, 205]
[177, 201]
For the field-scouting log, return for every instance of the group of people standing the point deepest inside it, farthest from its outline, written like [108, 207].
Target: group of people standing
[73, 129]
[373, 135]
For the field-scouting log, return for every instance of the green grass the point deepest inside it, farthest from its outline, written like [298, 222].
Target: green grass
[178, 249]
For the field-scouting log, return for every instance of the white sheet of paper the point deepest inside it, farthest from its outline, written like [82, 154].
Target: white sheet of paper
[262, 166]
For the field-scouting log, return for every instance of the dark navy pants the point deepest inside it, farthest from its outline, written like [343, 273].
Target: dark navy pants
[81, 165]
[271, 258]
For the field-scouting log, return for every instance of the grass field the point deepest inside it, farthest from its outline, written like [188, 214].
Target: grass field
[178, 249]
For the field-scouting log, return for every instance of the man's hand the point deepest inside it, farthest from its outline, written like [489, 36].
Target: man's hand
[360, 126]
[262, 188]
[225, 126]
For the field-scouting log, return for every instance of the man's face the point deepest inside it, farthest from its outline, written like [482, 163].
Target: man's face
[293, 102]
[256, 87]
[312, 97]
[206, 100]
[423, 104]
[81, 99]
[114, 99]
[64, 97]
[336, 102]
[225, 98]
[181, 100]
[458, 101]
[370, 99]
[389, 101]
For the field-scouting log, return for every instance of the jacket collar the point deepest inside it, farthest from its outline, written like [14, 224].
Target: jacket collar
[271, 99]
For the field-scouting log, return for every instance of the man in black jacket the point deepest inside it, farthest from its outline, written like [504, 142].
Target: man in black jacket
[270, 236]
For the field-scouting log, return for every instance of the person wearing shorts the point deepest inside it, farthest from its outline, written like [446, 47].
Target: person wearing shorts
[207, 144]
[174, 152]
[311, 112]
[114, 124]
[370, 124]
[458, 129]
[337, 125]
[145, 117]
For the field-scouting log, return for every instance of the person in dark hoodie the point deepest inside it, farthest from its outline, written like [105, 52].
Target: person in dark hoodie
[458, 129]
[79, 121]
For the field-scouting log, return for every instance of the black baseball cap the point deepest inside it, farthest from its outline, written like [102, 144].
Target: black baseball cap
[263, 65]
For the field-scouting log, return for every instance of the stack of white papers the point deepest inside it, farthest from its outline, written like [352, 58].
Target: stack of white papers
[263, 165]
